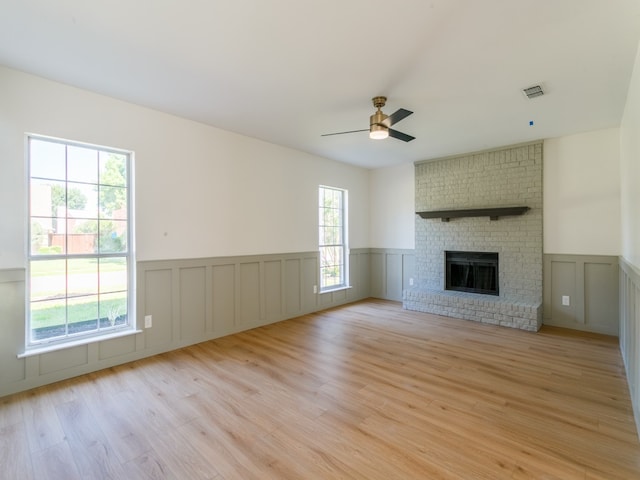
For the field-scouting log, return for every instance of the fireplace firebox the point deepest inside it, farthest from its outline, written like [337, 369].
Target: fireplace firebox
[474, 272]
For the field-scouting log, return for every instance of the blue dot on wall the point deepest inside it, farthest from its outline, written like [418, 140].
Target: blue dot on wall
[531, 123]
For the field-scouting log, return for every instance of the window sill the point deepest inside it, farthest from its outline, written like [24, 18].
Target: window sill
[40, 349]
[335, 289]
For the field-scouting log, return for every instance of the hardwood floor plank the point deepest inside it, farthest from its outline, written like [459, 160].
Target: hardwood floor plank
[41, 421]
[15, 459]
[93, 454]
[149, 466]
[11, 410]
[232, 456]
[182, 458]
[55, 462]
[437, 448]
[365, 391]
[501, 442]
[382, 453]
[120, 426]
[334, 456]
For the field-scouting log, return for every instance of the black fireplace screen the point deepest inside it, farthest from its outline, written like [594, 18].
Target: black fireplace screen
[475, 272]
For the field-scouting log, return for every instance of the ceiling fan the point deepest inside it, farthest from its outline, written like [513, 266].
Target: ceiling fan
[379, 123]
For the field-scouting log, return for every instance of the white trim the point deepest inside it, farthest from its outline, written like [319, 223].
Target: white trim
[335, 289]
[30, 352]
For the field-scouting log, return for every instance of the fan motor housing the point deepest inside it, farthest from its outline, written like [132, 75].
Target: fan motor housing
[377, 119]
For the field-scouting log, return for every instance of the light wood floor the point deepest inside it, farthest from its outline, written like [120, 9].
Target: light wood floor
[366, 391]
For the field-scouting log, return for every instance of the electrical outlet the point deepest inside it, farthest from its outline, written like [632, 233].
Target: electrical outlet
[411, 282]
[148, 321]
[566, 300]
[315, 289]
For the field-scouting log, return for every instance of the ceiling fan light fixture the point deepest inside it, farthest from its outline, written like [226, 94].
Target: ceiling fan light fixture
[380, 124]
[378, 132]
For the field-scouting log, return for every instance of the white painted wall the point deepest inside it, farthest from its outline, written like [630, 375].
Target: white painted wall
[581, 197]
[215, 193]
[199, 191]
[630, 170]
[581, 183]
[393, 207]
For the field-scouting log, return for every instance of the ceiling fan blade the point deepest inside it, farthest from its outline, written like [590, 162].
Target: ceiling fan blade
[396, 116]
[342, 133]
[400, 136]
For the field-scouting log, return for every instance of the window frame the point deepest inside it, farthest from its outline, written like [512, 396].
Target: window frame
[69, 339]
[344, 245]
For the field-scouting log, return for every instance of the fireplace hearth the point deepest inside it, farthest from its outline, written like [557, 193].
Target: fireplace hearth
[472, 272]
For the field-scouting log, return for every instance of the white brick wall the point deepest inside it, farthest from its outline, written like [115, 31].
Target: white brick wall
[506, 177]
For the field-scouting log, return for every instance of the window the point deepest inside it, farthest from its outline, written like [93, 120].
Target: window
[79, 262]
[333, 238]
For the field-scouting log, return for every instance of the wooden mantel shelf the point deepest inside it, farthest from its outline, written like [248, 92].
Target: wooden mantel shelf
[493, 213]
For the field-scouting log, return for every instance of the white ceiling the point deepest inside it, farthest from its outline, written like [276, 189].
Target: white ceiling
[287, 71]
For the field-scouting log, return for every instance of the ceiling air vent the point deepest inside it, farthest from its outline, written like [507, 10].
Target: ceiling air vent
[533, 92]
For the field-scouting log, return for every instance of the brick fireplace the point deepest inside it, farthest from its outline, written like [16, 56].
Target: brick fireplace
[482, 202]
